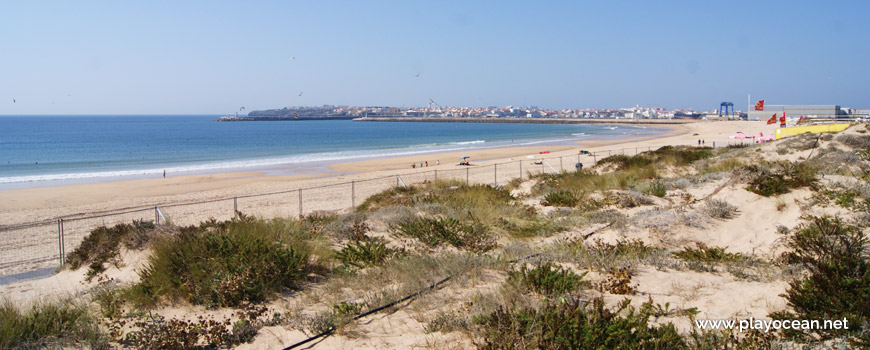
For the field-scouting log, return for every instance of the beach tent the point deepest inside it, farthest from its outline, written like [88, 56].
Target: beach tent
[762, 138]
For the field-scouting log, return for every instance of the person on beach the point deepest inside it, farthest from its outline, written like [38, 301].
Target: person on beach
[164, 173]
[427, 163]
[413, 165]
[421, 163]
[438, 162]
[699, 142]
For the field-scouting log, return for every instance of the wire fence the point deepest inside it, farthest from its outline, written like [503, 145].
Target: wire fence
[39, 245]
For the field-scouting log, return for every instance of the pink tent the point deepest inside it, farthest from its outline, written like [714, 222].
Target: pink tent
[740, 135]
[763, 138]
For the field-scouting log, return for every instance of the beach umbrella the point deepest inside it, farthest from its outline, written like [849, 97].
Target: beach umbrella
[464, 157]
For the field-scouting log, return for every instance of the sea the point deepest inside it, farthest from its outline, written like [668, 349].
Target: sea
[52, 150]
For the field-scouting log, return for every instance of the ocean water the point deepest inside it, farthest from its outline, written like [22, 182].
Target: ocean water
[48, 150]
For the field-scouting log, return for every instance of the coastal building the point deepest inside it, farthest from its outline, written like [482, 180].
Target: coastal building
[816, 111]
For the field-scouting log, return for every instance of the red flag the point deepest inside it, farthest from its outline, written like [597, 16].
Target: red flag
[782, 119]
[759, 106]
[772, 119]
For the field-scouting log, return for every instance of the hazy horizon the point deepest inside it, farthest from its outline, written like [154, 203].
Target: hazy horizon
[210, 58]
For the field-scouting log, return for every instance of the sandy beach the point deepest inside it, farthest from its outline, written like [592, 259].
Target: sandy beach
[48, 203]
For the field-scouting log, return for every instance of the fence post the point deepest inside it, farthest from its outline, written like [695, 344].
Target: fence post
[235, 207]
[300, 202]
[561, 166]
[594, 158]
[59, 240]
[156, 215]
[495, 175]
[353, 194]
[608, 153]
[521, 169]
[436, 174]
[466, 175]
[635, 151]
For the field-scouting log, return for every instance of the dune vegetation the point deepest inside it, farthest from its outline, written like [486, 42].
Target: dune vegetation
[626, 254]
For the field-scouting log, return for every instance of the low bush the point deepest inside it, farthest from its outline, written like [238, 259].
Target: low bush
[474, 237]
[49, 325]
[777, 178]
[546, 279]
[618, 282]
[103, 244]
[226, 264]
[719, 209]
[857, 142]
[705, 254]
[446, 322]
[837, 258]
[657, 189]
[367, 251]
[560, 198]
[574, 324]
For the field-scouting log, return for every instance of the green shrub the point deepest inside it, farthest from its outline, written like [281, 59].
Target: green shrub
[777, 178]
[396, 196]
[227, 265]
[49, 325]
[103, 244]
[623, 162]
[433, 232]
[705, 254]
[574, 324]
[561, 198]
[547, 279]
[837, 257]
[367, 251]
[657, 189]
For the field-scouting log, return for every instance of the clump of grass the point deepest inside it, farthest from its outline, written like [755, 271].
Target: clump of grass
[574, 324]
[520, 228]
[560, 198]
[228, 264]
[657, 189]
[859, 142]
[396, 196]
[719, 209]
[838, 284]
[777, 178]
[474, 237]
[48, 325]
[367, 251]
[603, 256]
[705, 254]
[446, 322]
[103, 244]
[546, 279]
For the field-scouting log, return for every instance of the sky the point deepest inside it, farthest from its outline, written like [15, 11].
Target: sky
[213, 57]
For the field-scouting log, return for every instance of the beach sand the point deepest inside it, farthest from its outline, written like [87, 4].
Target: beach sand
[49, 203]
[753, 231]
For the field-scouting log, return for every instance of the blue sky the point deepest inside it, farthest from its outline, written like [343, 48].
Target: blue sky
[211, 57]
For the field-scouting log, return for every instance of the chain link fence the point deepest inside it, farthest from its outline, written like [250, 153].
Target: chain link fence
[40, 245]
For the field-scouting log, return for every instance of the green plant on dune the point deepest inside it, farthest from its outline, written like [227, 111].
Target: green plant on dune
[227, 264]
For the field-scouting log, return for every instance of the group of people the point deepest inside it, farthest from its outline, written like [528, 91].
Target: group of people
[425, 163]
[702, 142]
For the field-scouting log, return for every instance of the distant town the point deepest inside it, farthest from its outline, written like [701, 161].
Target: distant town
[637, 112]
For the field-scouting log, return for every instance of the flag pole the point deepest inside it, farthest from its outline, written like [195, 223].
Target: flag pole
[748, 103]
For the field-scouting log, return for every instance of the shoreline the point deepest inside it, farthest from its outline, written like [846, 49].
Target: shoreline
[46, 203]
